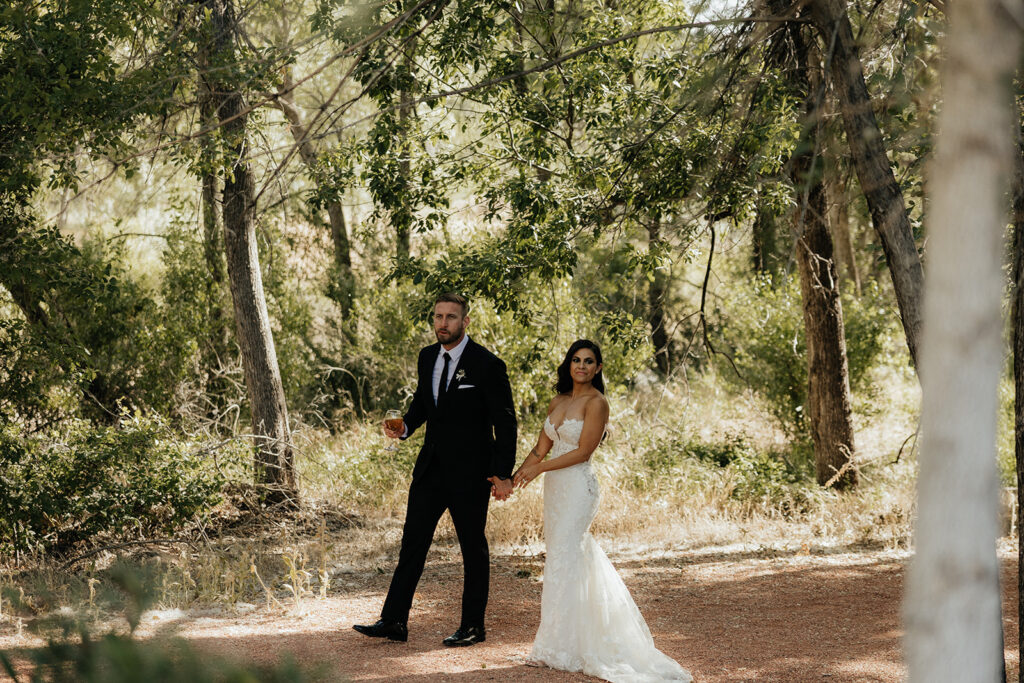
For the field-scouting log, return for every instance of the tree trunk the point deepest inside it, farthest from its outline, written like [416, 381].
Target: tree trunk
[405, 112]
[273, 459]
[828, 393]
[1017, 315]
[840, 222]
[952, 610]
[346, 283]
[656, 292]
[765, 257]
[883, 194]
[1018, 378]
[212, 232]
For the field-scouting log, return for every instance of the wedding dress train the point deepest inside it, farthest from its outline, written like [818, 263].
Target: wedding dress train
[588, 620]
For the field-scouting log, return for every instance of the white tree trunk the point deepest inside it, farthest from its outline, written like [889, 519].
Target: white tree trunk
[952, 604]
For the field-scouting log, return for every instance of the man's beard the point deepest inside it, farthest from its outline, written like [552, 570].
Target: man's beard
[449, 336]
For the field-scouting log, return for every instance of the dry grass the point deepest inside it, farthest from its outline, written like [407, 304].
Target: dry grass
[688, 503]
[655, 495]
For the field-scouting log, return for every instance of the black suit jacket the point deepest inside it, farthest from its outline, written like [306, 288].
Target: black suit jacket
[471, 432]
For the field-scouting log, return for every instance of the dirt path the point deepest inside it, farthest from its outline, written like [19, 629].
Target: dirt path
[726, 616]
[733, 616]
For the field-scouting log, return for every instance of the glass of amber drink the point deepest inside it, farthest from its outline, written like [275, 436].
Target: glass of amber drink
[393, 421]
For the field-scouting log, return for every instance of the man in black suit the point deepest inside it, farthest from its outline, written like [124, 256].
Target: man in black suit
[463, 395]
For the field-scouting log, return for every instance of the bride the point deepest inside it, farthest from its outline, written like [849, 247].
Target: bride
[588, 620]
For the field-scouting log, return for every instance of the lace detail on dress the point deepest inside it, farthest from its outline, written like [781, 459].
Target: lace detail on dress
[589, 621]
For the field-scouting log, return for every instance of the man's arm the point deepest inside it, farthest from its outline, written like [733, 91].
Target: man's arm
[417, 413]
[501, 415]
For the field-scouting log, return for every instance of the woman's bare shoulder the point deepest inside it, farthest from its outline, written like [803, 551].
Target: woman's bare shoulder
[557, 401]
[598, 404]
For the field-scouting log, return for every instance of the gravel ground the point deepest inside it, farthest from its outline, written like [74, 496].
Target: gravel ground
[726, 615]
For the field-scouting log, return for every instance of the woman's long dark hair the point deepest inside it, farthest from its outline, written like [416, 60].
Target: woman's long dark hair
[564, 385]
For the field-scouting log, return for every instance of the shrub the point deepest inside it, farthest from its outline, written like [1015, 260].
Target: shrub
[59, 489]
[763, 324]
[115, 658]
[73, 653]
[764, 479]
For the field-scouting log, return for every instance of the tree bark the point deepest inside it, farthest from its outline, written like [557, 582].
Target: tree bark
[346, 284]
[1017, 319]
[273, 458]
[405, 112]
[212, 229]
[765, 258]
[828, 393]
[1017, 315]
[838, 200]
[952, 609]
[656, 292]
[882, 192]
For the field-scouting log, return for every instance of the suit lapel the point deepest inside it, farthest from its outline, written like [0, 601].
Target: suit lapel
[465, 361]
[427, 375]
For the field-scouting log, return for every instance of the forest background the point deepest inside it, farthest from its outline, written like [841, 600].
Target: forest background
[222, 226]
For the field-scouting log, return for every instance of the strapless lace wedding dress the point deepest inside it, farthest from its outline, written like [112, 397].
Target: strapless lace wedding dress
[588, 620]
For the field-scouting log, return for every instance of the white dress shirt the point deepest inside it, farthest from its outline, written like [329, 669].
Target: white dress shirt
[455, 354]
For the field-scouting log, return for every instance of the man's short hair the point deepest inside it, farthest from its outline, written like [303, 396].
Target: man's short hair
[452, 297]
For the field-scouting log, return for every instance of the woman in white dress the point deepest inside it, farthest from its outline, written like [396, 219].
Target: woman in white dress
[588, 620]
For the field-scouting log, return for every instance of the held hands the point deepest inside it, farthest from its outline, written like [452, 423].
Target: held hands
[501, 488]
[527, 473]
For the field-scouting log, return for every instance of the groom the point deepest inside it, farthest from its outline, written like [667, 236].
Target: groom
[463, 395]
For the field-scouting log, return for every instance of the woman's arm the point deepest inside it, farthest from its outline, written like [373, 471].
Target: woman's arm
[544, 444]
[537, 453]
[595, 417]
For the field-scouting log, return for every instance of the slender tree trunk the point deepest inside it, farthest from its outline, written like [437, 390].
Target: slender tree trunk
[840, 222]
[828, 392]
[952, 610]
[273, 460]
[656, 292]
[346, 284]
[1017, 315]
[212, 231]
[883, 194]
[765, 258]
[405, 114]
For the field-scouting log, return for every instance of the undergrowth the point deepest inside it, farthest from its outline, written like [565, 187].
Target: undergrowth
[684, 466]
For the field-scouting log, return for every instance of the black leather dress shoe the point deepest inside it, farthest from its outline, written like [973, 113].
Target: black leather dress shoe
[392, 630]
[466, 636]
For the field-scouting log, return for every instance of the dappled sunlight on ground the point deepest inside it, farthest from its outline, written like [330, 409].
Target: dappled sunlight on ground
[731, 613]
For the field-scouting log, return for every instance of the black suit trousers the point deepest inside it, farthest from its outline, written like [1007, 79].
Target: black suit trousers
[429, 496]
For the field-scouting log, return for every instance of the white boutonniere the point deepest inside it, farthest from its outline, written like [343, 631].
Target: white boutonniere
[460, 375]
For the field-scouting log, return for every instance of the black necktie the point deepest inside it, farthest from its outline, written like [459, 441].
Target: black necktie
[442, 387]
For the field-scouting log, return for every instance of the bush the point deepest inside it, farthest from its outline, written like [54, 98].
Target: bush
[115, 658]
[40, 376]
[763, 325]
[764, 479]
[135, 479]
[73, 653]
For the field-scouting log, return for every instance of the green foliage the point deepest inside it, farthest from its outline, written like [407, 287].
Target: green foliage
[766, 480]
[114, 658]
[39, 375]
[64, 87]
[73, 653]
[85, 328]
[763, 324]
[61, 488]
